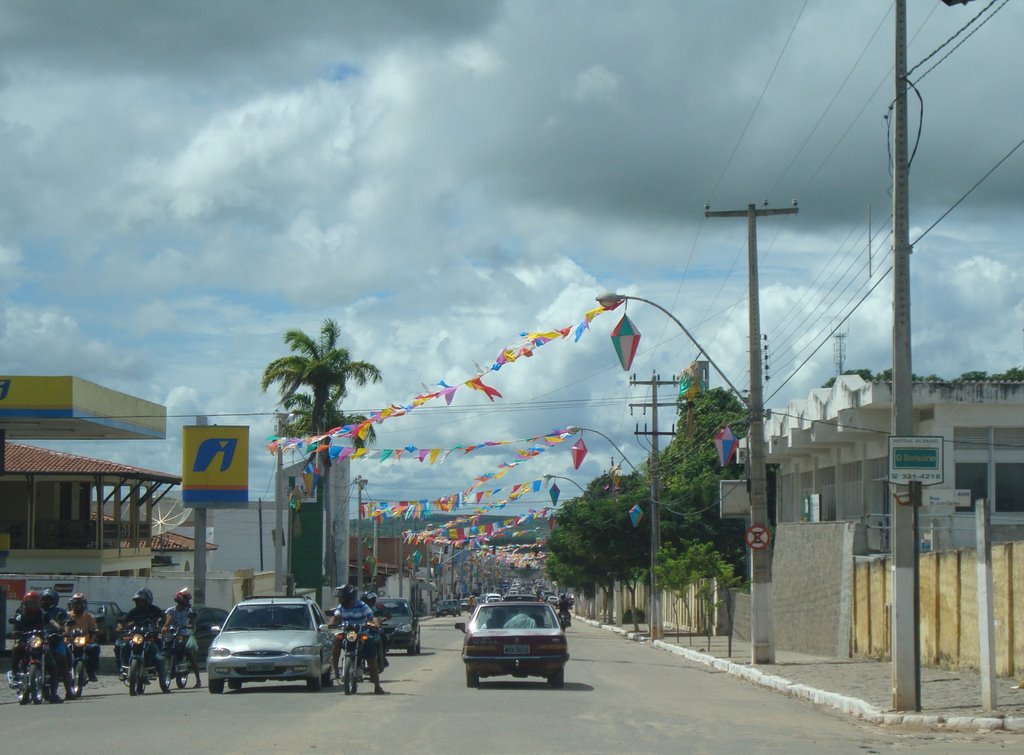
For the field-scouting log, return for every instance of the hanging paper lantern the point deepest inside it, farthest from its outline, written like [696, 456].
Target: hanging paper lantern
[726, 444]
[579, 452]
[625, 338]
[636, 514]
[554, 493]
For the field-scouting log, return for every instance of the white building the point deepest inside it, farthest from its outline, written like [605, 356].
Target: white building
[832, 452]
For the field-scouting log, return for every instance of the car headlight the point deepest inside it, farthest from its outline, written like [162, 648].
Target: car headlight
[217, 652]
[305, 650]
[404, 628]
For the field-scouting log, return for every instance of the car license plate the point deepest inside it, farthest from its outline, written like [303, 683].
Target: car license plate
[259, 667]
[517, 650]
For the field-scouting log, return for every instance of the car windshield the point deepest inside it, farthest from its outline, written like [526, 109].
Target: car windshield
[245, 618]
[397, 609]
[498, 616]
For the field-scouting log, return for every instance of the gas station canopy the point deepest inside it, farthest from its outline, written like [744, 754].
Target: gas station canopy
[69, 408]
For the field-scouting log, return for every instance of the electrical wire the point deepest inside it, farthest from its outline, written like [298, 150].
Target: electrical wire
[960, 31]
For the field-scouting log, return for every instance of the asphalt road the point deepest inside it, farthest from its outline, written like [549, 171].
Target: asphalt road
[619, 696]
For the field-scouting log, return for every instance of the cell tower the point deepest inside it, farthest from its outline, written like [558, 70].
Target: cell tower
[839, 350]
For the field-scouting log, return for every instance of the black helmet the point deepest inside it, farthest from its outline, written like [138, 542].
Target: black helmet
[346, 594]
[369, 598]
[49, 598]
[144, 594]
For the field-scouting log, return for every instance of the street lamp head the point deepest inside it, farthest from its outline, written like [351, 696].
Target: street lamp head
[609, 299]
[572, 429]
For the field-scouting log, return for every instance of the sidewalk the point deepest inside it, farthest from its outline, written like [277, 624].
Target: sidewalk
[858, 687]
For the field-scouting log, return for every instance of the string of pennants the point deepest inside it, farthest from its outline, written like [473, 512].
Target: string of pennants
[529, 343]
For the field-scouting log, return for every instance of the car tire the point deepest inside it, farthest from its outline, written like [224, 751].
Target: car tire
[327, 680]
[314, 684]
[472, 680]
[557, 679]
[235, 684]
[216, 686]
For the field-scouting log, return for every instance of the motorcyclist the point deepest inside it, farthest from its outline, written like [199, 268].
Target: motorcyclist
[183, 617]
[144, 612]
[382, 615]
[563, 609]
[50, 602]
[352, 610]
[31, 616]
[80, 618]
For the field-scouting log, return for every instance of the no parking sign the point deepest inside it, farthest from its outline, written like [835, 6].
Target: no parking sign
[758, 537]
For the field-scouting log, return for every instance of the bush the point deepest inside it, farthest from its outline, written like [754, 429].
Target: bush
[627, 617]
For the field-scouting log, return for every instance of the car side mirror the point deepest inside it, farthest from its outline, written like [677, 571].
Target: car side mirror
[322, 628]
[461, 626]
[214, 629]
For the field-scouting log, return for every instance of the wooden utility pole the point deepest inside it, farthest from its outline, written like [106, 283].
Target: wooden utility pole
[762, 632]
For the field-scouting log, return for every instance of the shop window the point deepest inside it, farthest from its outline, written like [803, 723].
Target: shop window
[972, 476]
[1009, 487]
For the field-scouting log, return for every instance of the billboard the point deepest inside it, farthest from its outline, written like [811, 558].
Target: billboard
[215, 466]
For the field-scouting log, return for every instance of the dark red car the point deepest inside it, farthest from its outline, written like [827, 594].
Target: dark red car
[519, 639]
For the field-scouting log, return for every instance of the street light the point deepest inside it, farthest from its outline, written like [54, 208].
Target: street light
[573, 429]
[550, 477]
[609, 300]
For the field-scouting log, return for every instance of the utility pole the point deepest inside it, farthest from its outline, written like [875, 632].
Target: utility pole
[654, 620]
[199, 535]
[279, 494]
[906, 669]
[360, 484]
[762, 630]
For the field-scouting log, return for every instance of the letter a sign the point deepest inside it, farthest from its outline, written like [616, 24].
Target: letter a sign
[215, 466]
[626, 338]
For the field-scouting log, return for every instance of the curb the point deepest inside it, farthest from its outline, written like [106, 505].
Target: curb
[849, 705]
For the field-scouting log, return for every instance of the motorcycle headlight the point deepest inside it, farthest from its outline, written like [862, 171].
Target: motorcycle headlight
[80, 641]
[36, 642]
[351, 636]
[219, 652]
[305, 650]
[404, 628]
[138, 638]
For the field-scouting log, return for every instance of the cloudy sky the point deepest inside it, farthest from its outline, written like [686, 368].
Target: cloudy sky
[183, 182]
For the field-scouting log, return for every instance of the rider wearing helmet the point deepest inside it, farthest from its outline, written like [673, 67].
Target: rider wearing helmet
[352, 610]
[382, 615]
[80, 618]
[182, 618]
[144, 612]
[50, 603]
[30, 616]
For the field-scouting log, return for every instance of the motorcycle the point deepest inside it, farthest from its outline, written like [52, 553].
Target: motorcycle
[140, 641]
[352, 637]
[77, 642]
[176, 654]
[565, 618]
[33, 681]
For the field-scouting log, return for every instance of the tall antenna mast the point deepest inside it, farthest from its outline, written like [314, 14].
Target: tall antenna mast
[839, 351]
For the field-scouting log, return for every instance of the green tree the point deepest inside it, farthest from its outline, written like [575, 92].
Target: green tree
[697, 563]
[313, 380]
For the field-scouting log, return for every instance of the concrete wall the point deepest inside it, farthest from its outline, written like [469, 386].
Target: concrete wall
[949, 608]
[811, 587]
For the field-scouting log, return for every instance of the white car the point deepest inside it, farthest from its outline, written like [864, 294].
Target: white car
[492, 597]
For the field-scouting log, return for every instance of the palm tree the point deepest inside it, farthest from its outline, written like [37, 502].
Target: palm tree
[313, 380]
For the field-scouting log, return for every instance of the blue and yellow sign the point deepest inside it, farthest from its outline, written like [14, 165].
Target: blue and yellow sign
[215, 466]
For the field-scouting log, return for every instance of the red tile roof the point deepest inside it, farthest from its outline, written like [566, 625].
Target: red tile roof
[172, 541]
[21, 459]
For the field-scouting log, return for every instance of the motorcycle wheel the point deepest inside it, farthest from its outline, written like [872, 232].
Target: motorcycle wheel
[181, 679]
[24, 689]
[136, 682]
[36, 684]
[78, 679]
[164, 678]
[348, 675]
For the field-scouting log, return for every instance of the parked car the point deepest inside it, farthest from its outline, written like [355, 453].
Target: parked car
[208, 625]
[402, 630]
[275, 638]
[519, 639]
[447, 608]
[106, 613]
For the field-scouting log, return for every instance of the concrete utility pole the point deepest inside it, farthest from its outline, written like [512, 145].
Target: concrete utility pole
[655, 619]
[279, 496]
[360, 484]
[762, 631]
[906, 686]
[199, 536]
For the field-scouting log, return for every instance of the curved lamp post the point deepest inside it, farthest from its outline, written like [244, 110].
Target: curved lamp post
[550, 477]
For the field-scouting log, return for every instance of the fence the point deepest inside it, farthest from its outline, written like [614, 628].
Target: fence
[948, 606]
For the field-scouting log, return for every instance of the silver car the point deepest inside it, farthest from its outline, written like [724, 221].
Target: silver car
[276, 638]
